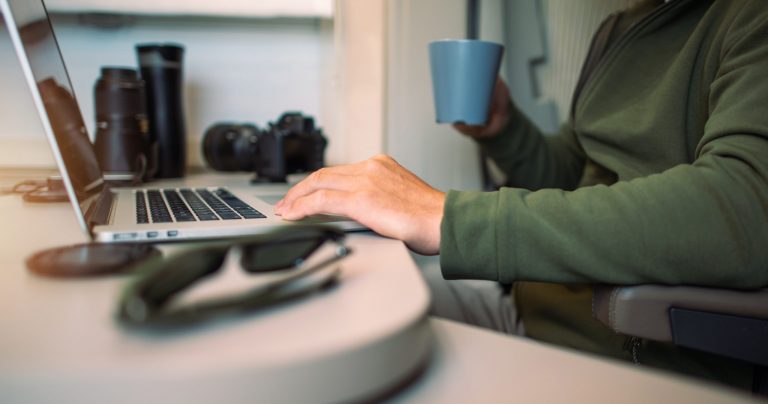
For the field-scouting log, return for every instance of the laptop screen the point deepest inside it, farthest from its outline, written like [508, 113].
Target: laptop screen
[53, 89]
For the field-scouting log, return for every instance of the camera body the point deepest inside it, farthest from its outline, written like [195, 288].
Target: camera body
[291, 145]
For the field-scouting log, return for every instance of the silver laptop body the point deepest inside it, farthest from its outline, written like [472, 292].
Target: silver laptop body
[121, 214]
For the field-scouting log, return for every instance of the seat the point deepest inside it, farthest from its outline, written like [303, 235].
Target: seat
[724, 322]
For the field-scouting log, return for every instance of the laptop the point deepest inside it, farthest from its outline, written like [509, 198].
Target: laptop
[109, 214]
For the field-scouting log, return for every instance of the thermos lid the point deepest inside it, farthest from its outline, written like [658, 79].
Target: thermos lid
[160, 54]
[151, 46]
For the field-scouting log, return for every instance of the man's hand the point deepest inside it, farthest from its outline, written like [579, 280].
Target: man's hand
[497, 118]
[378, 193]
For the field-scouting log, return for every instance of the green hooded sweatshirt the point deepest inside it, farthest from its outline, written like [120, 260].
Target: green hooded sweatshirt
[660, 176]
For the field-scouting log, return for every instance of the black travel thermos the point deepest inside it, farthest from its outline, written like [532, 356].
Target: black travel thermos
[160, 66]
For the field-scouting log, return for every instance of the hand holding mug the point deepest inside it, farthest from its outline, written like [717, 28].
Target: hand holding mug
[497, 117]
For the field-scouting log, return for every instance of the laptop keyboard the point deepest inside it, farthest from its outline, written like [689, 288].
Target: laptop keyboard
[141, 208]
[188, 205]
[157, 209]
[202, 211]
[224, 211]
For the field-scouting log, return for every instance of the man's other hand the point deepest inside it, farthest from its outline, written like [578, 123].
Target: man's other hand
[378, 193]
[497, 117]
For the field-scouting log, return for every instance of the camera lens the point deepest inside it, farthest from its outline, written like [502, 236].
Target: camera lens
[230, 147]
[119, 95]
[121, 142]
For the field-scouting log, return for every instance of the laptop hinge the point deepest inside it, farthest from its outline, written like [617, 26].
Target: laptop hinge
[98, 212]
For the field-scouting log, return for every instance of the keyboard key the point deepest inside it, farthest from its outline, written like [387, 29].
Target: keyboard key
[179, 209]
[141, 208]
[238, 205]
[157, 208]
[224, 211]
[201, 210]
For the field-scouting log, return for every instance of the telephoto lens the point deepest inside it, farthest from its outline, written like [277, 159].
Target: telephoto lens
[161, 69]
[122, 140]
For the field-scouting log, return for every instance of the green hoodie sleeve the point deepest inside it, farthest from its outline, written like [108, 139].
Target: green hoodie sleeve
[533, 161]
[703, 222]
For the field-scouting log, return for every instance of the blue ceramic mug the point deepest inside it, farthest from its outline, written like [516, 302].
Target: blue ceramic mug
[463, 78]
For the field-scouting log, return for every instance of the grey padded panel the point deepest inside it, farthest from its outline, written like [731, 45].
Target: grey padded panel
[526, 49]
[643, 311]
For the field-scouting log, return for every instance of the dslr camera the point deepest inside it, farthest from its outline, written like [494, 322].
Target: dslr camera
[291, 145]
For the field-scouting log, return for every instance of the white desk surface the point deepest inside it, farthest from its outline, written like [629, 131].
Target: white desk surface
[467, 364]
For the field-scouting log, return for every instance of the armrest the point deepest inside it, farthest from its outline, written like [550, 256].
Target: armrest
[644, 311]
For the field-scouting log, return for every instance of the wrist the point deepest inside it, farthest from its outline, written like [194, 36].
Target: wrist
[424, 237]
[435, 223]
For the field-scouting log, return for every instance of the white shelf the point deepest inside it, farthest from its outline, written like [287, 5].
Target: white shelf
[224, 8]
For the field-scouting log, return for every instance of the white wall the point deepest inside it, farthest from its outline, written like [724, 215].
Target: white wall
[435, 152]
[570, 26]
[21, 134]
[236, 69]
[360, 80]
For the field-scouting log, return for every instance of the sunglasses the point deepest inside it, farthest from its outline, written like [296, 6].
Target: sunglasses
[289, 263]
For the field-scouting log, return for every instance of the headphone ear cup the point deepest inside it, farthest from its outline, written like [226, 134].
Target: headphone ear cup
[160, 280]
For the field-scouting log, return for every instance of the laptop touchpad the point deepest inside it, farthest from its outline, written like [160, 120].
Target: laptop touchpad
[271, 199]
